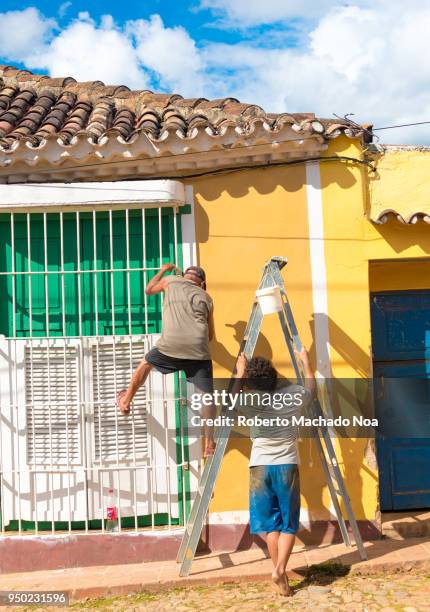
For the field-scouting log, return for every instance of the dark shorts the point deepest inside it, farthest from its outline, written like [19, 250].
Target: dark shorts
[199, 372]
[274, 498]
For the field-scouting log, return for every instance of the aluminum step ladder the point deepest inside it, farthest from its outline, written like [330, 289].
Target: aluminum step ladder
[271, 276]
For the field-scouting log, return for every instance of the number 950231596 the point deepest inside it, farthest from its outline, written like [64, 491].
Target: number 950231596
[45, 598]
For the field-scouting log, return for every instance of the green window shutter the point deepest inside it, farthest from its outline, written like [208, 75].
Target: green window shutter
[88, 284]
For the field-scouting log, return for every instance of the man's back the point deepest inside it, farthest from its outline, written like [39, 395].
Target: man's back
[276, 443]
[186, 310]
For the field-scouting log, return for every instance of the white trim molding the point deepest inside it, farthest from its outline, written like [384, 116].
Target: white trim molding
[129, 194]
[188, 227]
[241, 517]
[318, 268]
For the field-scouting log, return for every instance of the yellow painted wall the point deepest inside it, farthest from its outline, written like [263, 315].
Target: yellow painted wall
[399, 275]
[245, 217]
[402, 182]
[344, 196]
[352, 243]
[242, 219]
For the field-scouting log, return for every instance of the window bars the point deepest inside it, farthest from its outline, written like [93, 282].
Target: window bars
[75, 322]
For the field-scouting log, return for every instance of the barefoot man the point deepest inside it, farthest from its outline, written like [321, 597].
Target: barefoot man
[274, 484]
[187, 329]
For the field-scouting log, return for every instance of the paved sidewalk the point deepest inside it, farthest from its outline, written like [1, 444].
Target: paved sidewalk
[384, 556]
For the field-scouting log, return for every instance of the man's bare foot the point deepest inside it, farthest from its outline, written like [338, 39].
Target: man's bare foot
[281, 581]
[121, 403]
[210, 447]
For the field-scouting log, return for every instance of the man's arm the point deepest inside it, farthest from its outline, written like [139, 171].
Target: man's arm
[308, 372]
[241, 364]
[239, 375]
[249, 410]
[157, 284]
[211, 325]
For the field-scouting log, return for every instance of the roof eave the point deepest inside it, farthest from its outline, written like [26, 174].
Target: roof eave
[142, 156]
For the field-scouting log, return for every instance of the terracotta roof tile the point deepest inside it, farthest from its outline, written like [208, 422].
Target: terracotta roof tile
[189, 103]
[35, 107]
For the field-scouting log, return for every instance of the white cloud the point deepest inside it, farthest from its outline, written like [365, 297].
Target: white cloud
[90, 52]
[246, 13]
[22, 32]
[141, 52]
[349, 40]
[170, 52]
[368, 59]
[63, 8]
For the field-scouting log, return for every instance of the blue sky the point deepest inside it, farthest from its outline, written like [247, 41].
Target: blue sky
[197, 22]
[367, 57]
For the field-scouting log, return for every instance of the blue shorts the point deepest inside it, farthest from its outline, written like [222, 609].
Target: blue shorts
[274, 498]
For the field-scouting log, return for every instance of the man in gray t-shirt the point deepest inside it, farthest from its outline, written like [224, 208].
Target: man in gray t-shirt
[274, 484]
[187, 315]
[187, 329]
[275, 442]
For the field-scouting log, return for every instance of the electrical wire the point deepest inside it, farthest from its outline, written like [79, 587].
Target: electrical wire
[400, 125]
[227, 170]
[370, 131]
[269, 164]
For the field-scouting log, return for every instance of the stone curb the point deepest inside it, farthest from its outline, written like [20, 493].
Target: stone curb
[364, 568]
[161, 586]
[389, 567]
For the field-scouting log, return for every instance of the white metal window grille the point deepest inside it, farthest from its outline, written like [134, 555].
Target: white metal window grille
[75, 323]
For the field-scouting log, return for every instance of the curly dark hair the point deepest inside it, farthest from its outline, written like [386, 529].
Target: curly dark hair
[260, 374]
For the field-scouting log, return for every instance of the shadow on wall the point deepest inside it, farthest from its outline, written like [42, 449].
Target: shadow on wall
[350, 352]
[264, 181]
[401, 237]
[226, 359]
[351, 451]
[398, 235]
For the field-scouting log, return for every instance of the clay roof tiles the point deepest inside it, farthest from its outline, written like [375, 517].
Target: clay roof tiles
[36, 107]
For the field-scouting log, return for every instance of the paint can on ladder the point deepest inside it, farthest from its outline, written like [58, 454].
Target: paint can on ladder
[270, 299]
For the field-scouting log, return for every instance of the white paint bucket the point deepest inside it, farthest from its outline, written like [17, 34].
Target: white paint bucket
[270, 299]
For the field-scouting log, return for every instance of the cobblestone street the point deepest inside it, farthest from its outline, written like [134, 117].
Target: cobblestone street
[396, 576]
[321, 590]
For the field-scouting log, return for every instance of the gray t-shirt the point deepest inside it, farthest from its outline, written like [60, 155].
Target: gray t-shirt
[186, 310]
[275, 444]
